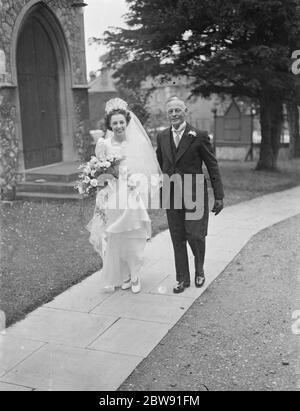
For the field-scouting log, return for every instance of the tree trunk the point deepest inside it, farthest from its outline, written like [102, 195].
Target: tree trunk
[271, 120]
[294, 131]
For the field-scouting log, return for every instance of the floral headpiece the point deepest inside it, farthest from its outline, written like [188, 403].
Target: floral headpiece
[115, 104]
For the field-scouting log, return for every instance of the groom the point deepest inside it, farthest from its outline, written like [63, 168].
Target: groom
[181, 150]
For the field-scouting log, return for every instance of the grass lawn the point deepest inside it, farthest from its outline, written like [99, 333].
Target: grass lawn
[45, 248]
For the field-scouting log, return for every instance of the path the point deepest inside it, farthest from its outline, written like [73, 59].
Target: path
[88, 340]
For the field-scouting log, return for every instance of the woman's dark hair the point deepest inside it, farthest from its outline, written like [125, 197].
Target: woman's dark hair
[108, 117]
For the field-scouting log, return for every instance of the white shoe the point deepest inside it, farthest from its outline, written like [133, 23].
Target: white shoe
[136, 286]
[126, 285]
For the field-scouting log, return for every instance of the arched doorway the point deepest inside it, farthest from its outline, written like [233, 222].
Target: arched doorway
[38, 92]
[44, 89]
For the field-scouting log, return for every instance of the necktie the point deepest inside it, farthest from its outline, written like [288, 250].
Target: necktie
[177, 138]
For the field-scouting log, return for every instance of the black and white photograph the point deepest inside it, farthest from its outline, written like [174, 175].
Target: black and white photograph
[149, 198]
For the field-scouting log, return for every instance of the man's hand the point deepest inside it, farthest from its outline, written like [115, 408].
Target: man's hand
[218, 207]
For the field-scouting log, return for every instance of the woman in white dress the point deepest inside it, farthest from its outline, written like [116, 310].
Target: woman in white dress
[121, 224]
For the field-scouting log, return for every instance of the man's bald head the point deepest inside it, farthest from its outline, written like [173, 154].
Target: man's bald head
[176, 102]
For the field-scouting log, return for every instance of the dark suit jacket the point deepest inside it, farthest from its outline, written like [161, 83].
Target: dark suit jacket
[192, 151]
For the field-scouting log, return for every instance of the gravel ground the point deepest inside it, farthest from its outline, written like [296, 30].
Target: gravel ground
[237, 336]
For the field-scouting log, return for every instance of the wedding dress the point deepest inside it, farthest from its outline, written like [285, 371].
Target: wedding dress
[121, 224]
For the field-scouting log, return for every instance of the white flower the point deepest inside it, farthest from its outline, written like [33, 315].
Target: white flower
[94, 183]
[100, 164]
[192, 133]
[87, 180]
[107, 164]
[87, 169]
[94, 160]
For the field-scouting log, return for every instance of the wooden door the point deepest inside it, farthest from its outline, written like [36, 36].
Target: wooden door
[38, 93]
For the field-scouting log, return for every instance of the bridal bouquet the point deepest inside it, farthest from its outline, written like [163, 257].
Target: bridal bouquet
[95, 168]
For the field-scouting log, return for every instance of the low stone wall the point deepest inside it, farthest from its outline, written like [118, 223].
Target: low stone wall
[9, 144]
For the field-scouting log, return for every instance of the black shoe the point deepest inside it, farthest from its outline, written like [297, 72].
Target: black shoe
[180, 287]
[200, 280]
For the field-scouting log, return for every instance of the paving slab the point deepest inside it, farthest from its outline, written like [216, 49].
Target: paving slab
[89, 340]
[83, 297]
[14, 350]
[167, 285]
[61, 327]
[58, 368]
[147, 307]
[133, 337]
[216, 250]
[12, 387]
[156, 274]
[212, 269]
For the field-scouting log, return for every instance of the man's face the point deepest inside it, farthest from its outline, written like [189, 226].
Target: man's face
[176, 114]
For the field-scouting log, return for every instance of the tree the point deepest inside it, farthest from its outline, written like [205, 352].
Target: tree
[136, 99]
[294, 130]
[237, 47]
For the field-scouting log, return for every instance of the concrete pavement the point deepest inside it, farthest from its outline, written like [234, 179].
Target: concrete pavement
[89, 340]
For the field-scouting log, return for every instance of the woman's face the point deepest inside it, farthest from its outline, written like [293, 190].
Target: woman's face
[118, 125]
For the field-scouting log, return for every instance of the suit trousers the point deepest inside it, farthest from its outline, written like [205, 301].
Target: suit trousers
[180, 235]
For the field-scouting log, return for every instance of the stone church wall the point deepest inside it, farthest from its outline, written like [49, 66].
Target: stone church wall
[12, 15]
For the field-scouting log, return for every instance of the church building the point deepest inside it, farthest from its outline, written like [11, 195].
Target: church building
[44, 112]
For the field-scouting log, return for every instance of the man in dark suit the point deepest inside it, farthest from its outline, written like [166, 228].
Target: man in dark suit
[181, 151]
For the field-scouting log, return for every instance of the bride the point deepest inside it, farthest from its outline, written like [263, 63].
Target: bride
[121, 225]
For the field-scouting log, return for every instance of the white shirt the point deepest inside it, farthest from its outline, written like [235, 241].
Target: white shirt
[180, 131]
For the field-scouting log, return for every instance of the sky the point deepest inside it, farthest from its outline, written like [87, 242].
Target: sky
[98, 16]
